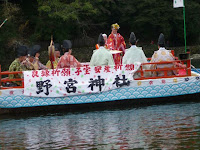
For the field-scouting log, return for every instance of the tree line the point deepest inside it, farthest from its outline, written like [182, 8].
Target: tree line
[32, 21]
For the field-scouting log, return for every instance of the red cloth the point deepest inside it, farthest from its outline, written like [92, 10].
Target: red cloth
[68, 61]
[116, 43]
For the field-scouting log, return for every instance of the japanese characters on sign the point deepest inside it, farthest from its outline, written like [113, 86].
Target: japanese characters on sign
[74, 81]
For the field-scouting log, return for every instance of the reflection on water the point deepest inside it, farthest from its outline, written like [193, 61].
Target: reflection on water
[175, 126]
[195, 62]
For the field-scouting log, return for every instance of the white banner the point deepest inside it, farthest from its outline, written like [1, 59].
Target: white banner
[178, 3]
[74, 81]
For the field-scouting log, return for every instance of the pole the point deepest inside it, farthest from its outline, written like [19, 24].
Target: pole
[184, 26]
[3, 22]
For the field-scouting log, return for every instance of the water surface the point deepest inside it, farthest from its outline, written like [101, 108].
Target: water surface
[169, 126]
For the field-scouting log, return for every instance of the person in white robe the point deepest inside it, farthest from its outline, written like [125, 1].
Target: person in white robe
[162, 55]
[135, 54]
[102, 57]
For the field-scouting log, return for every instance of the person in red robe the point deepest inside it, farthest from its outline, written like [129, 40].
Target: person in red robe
[116, 42]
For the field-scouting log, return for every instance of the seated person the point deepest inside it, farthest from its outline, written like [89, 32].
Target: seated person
[68, 60]
[105, 39]
[17, 65]
[35, 53]
[162, 55]
[102, 56]
[135, 54]
[57, 56]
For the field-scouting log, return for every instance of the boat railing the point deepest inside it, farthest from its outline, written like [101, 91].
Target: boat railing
[178, 65]
[4, 78]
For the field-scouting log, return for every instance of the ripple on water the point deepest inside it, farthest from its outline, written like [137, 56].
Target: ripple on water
[173, 126]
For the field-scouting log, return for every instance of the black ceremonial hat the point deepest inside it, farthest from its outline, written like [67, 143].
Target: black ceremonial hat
[132, 38]
[101, 41]
[67, 44]
[57, 46]
[34, 49]
[22, 51]
[161, 40]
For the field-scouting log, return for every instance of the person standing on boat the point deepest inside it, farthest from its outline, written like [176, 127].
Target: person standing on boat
[102, 57]
[17, 64]
[135, 54]
[35, 53]
[116, 42]
[57, 57]
[162, 55]
[68, 60]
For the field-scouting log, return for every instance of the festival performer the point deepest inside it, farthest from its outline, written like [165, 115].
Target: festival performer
[57, 56]
[105, 37]
[135, 54]
[35, 53]
[162, 55]
[17, 65]
[102, 56]
[116, 42]
[68, 60]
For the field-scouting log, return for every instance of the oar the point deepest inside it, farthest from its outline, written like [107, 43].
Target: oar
[51, 51]
[195, 68]
[3, 22]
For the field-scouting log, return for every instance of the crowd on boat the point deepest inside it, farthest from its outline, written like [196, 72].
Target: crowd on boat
[110, 50]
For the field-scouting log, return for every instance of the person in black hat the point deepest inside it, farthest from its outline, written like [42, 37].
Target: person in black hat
[102, 56]
[17, 65]
[57, 57]
[68, 60]
[135, 54]
[34, 54]
[162, 55]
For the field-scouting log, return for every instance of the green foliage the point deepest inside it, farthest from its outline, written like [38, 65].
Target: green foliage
[63, 19]
[32, 22]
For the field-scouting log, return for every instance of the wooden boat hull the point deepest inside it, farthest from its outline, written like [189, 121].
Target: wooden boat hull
[99, 106]
[138, 91]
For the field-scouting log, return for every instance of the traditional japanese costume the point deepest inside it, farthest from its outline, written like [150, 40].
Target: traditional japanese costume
[116, 42]
[55, 63]
[162, 55]
[135, 54]
[16, 65]
[36, 63]
[68, 60]
[102, 56]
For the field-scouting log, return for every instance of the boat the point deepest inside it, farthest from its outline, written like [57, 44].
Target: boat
[45, 89]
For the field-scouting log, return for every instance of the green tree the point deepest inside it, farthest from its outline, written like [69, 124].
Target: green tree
[63, 19]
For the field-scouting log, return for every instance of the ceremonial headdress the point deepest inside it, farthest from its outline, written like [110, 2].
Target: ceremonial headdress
[33, 50]
[115, 26]
[101, 41]
[132, 38]
[161, 40]
[22, 51]
[57, 46]
[67, 44]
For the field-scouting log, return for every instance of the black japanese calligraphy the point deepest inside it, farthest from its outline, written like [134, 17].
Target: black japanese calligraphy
[43, 84]
[121, 82]
[97, 82]
[70, 86]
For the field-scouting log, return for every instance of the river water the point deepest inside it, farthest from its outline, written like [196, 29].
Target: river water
[167, 126]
